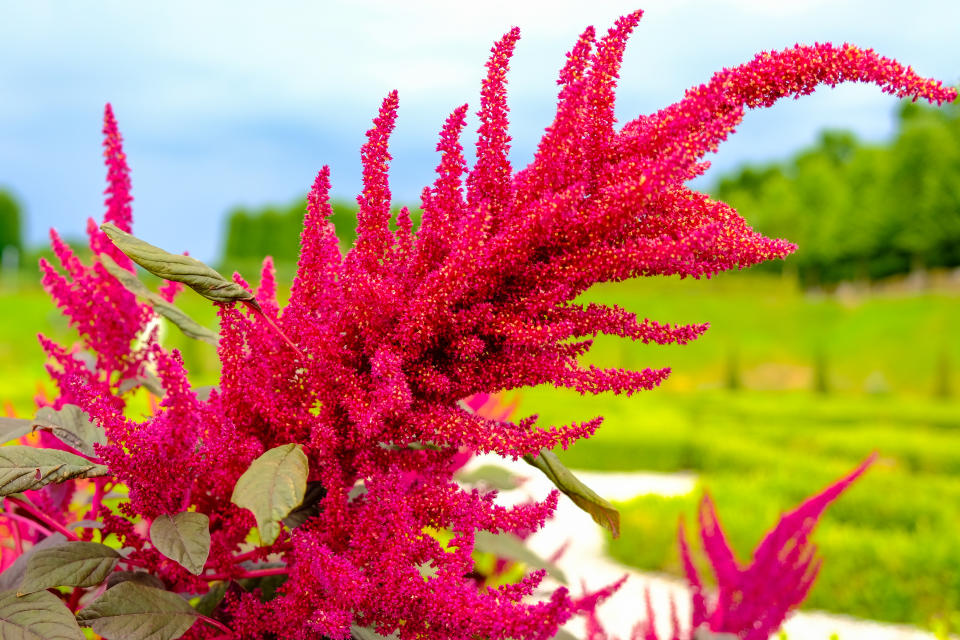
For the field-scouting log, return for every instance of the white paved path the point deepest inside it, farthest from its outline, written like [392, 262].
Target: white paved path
[585, 559]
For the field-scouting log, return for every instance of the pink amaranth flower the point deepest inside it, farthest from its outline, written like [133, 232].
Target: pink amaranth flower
[394, 335]
[753, 600]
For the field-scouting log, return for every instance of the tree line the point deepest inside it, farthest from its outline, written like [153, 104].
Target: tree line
[862, 211]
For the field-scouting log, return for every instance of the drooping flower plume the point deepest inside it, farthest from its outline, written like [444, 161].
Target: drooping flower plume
[392, 336]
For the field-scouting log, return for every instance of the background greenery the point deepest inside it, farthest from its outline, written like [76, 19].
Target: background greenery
[863, 211]
[849, 346]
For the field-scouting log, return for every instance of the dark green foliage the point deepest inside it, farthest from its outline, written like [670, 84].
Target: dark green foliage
[859, 211]
[11, 228]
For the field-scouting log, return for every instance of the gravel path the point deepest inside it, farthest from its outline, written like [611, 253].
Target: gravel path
[585, 560]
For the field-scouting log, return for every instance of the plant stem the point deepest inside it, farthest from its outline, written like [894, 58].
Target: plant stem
[27, 521]
[256, 309]
[75, 598]
[219, 625]
[17, 539]
[49, 522]
[254, 573]
[99, 488]
[243, 557]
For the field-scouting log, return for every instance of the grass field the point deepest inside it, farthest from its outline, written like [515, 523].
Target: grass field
[890, 543]
[786, 392]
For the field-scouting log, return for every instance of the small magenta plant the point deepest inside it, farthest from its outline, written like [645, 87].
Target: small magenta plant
[311, 493]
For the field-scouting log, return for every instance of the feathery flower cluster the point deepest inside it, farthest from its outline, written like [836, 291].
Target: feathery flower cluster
[392, 336]
[752, 601]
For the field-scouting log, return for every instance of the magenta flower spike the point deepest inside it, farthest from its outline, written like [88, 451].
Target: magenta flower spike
[752, 601]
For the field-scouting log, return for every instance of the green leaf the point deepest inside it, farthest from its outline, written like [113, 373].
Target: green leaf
[511, 547]
[212, 598]
[187, 325]
[203, 393]
[184, 538]
[366, 633]
[72, 426]
[71, 564]
[140, 577]
[13, 428]
[131, 611]
[148, 381]
[169, 266]
[12, 575]
[602, 512]
[309, 507]
[563, 634]
[38, 616]
[492, 476]
[272, 487]
[267, 585]
[25, 468]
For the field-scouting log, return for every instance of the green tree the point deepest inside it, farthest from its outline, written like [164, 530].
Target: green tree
[858, 210]
[11, 228]
[275, 230]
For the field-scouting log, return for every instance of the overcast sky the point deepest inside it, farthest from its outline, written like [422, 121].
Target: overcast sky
[236, 103]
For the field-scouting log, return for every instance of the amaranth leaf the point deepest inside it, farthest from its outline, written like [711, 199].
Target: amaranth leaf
[184, 538]
[131, 611]
[602, 512]
[190, 327]
[12, 575]
[511, 547]
[38, 616]
[272, 487]
[13, 428]
[72, 426]
[310, 506]
[366, 633]
[170, 266]
[140, 577]
[492, 476]
[147, 380]
[212, 598]
[25, 468]
[71, 564]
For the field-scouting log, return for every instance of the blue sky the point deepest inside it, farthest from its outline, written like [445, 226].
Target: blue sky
[230, 103]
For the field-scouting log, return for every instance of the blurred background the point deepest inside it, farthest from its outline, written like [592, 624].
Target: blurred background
[849, 346]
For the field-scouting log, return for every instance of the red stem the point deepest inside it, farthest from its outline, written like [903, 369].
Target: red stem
[75, 598]
[53, 525]
[219, 625]
[17, 540]
[49, 522]
[243, 557]
[254, 573]
[27, 521]
[99, 487]
[252, 304]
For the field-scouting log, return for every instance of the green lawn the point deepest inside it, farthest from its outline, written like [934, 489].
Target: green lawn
[29, 311]
[891, 545]
[741, 410]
